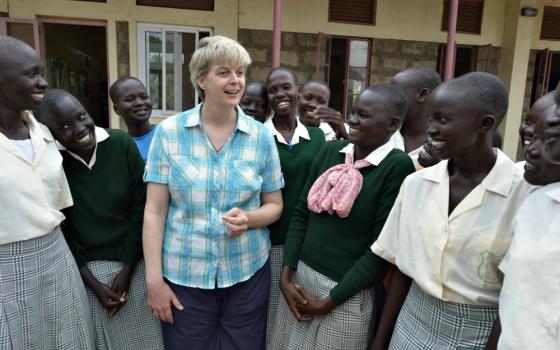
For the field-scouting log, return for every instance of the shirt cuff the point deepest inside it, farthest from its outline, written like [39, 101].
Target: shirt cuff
[378, 250]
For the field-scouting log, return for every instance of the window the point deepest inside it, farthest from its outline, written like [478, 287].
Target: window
[469, 16]
[352, 11]
[551, 23]
[163, 55]
[204, 5]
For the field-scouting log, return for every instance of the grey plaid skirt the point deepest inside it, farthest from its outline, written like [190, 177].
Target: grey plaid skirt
[428, 323]
[133, 327]
[346, 327]
[43, 302]
[276, 257]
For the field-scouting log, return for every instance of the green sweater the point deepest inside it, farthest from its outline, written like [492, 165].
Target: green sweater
[105, 222]
[340, 248]
[295, 162]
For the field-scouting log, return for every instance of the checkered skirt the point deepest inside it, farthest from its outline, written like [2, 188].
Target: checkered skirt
[43, 302]
[428, 323]
[133, 327]
[346, 327]
[276, 257]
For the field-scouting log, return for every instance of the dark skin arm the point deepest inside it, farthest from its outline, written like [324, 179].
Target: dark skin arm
[120, 286]
[398, 289]
[108, 299]
[492, 343]
[334, 118]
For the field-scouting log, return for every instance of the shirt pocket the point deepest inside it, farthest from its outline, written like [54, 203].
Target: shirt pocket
[245, 176]
[184, 171]
[489, 250]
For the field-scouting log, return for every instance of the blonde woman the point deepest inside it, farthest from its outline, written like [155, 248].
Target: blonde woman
[214, 183]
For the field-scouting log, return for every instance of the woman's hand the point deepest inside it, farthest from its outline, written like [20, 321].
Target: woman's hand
[333, 118]
[294, 298]
[237, 221]
[160, 298]
[314, 305]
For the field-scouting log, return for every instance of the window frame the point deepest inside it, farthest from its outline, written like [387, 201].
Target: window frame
[372, 23]
[142, 29]
[445, 17]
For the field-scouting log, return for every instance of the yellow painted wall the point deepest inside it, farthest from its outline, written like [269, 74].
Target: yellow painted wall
[3, 5]
[418, 20]
[223, 21]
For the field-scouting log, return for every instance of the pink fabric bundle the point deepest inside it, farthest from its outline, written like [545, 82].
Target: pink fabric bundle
[337, 188]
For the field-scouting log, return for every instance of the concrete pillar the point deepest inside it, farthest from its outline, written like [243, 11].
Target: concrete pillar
[512, 69]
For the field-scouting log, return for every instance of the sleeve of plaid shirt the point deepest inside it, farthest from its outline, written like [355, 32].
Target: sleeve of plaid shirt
[157, 164]
[272, 172]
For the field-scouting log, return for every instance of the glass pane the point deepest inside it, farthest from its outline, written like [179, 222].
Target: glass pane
[169, 71]
[154, 62]
[358, 53]
[350, 103]
[356, 80]
[22, 31]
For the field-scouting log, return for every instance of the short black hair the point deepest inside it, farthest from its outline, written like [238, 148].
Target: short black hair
[317, 81]
[10, 49]
[483, 91]
[423, 77]
[48, 105]
[395, 95]
[284, 69]
[114, 89]
[259, 83]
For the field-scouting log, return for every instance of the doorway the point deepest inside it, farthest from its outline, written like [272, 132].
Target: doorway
[76, 61]
[344, 63]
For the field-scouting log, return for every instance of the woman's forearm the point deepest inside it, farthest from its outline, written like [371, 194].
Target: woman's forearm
[155, 214]
[268, 213]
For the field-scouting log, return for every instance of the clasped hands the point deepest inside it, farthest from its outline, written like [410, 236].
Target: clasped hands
[304, 305]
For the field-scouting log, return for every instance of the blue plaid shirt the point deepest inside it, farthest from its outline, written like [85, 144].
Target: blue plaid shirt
[203, 185]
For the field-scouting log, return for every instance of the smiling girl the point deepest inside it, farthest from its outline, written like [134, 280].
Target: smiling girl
[328, 270]
[104, 227]
[43, 303]
[297, 146]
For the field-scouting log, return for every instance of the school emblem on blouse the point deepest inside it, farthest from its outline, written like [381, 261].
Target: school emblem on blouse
[488, 267]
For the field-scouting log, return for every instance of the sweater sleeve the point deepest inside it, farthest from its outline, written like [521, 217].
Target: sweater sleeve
[74, 246]
[132, 248]
[300, 215]
[370, 267]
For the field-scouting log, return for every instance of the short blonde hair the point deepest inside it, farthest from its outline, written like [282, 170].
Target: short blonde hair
[212, 50]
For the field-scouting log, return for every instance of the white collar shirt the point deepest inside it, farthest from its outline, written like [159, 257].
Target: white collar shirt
[454, 257]
[398, 142]
[375, 157]
[32, 192]
[100, 136]
[530, 297]
[299, 132]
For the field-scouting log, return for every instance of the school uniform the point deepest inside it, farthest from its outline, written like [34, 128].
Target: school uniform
[222, 281]
[43, 303]
[104, 232]
[331, 253]
[330, 134]
[398, 142]
[530, 297]
[296, 157]
[452, 258]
